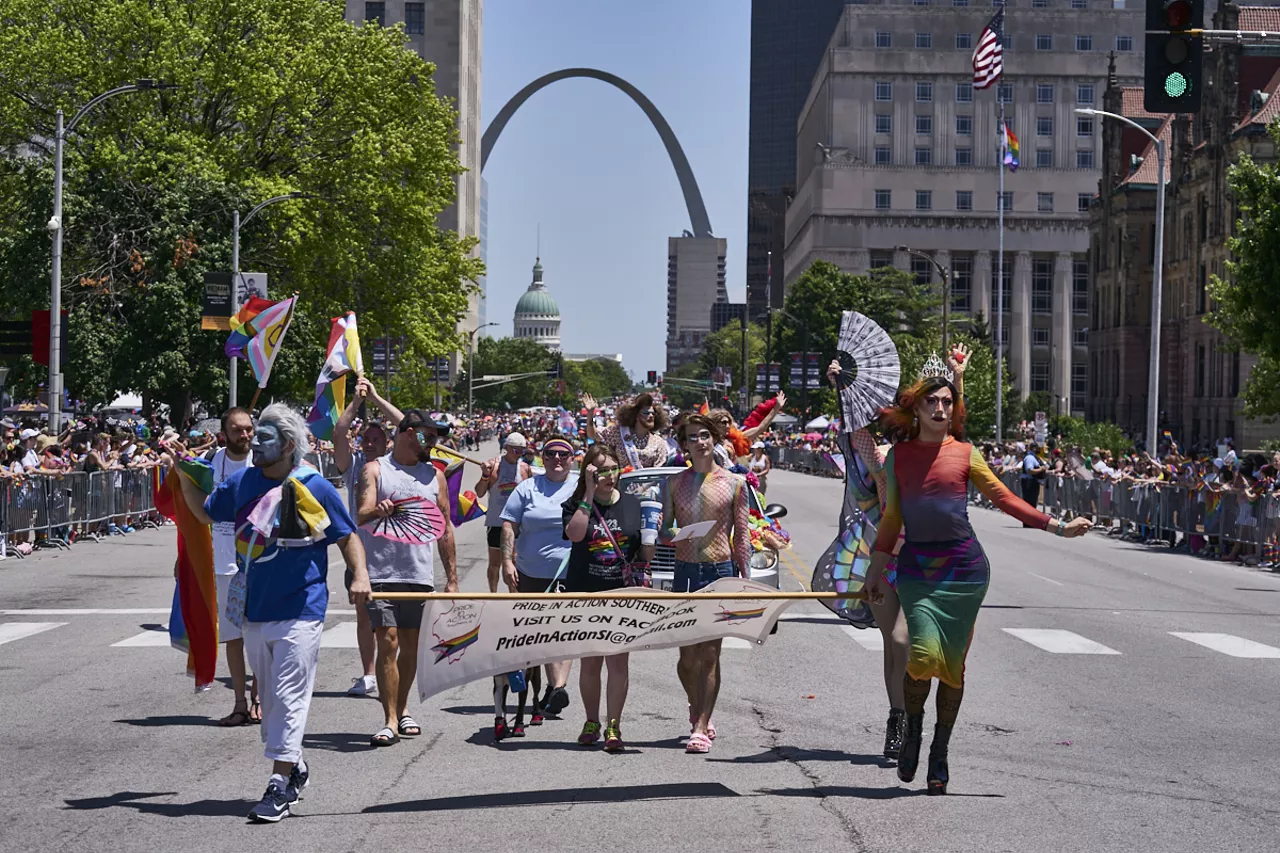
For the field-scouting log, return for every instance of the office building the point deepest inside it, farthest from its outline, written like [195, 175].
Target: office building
[695, 282]
[896, 149]
[727, 314]
[788, 38]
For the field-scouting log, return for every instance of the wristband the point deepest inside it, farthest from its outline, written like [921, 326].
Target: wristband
[584, 505]
[1060, 529]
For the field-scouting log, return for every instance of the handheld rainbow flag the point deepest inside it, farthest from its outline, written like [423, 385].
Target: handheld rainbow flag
[257, 331]
[1011, 148]
[342, 357]
[464, 506]
[195, 628]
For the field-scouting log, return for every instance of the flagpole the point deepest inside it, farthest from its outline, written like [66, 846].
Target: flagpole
[1000, 276]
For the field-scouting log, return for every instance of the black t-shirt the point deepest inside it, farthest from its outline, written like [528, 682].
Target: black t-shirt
[594, 564]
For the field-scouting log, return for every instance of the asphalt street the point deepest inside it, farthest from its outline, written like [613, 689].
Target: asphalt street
[1118, 699]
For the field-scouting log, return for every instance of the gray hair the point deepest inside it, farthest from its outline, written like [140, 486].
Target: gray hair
[291, 426]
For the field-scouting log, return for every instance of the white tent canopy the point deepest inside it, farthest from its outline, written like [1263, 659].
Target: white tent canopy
[820, 422]
[785, 420]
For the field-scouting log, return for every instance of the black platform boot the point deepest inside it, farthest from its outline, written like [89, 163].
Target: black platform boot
[939, 774]
[893, 733]
[909, 755]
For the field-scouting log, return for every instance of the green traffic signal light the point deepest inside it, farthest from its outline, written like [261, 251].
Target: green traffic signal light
[1173, 66]
[1176, 85]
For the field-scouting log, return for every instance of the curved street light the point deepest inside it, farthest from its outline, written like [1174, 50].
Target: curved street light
[946, 293]
[471, 364]
[146, 84]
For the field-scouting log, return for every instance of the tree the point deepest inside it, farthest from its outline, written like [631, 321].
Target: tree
[511, 357]
[1247, 310]
[275, 96]
[724, 349]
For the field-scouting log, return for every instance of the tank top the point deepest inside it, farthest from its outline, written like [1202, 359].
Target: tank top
[508, 478]
[758, 465]
[400, 562]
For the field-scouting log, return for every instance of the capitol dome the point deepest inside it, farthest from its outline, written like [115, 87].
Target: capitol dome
[537, 315]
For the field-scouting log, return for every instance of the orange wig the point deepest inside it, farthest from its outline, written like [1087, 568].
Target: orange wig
[899, 421]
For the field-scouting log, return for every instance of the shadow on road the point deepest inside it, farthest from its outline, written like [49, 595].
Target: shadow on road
[338, 742]
[469, 710]
[853, 792]
[560, 796]
[130, 800]
[484, 737]
[791, 753]
[177, 720]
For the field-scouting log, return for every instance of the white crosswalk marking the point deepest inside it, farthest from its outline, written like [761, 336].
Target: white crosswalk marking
[869, 638]
[1227, 644]
[150, 637]
[10, 631]
[1060, 642]
[340, 636]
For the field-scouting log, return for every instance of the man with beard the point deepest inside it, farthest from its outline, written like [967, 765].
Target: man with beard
[396, 565]
[237, 432]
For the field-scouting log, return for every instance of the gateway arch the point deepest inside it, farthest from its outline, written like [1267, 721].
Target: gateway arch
[688, 184]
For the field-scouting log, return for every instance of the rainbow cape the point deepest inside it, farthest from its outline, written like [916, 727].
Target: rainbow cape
[464, 506]
[193, 625]
[341, 357]
[257, 331]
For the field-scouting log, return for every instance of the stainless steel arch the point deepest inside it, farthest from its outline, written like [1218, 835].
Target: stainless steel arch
[688, 184]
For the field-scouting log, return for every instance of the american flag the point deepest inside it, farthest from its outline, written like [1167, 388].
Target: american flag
[988, 56]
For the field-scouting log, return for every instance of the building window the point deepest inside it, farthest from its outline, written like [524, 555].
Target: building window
[922, 269]
[964, 199]
[1044, 158]
[964, 157]
[964, 125]
[881, 260]
[1084, 126]
[1004, 93]
[1040, 336]
[1006, 289]
[1079, 384]
[1039, 4]
[884, 91]
[1084, 159]
[964, 41]
[1044, 125]
[924, 93]
[415, 18]
[1044, 42]
[964, 93]
[1041, 286]
[924, 125]
[1082, 202]
[375, 13]
[1044, 93]
[1080, 336]
[1084, 93]
[884, 123]
[1039, 376]
[884, 39]
[1124, 44]
[1004, 333]
[1080, 288]
[959, 3]
[884, 155]
[924, 199]
[919, 2]
[962, 283]
[924, 156]
[1084, 4]
[884, 199]
[924, 41]
[1044, 202]
[1084, 43]
[1006, 202]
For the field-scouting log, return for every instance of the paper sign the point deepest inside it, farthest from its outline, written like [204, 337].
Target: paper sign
[693, 531]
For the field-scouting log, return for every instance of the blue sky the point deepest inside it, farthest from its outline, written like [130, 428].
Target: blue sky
[581, 159]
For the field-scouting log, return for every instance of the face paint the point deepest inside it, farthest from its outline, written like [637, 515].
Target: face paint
[268, 446]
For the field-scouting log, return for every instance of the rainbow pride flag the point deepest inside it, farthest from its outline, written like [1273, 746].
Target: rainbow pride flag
[342, 357]
[1011, 148]
[195, 627]
[464, 506]
[257, 331]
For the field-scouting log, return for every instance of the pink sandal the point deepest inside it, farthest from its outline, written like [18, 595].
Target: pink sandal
[698, 744]
[711, 727]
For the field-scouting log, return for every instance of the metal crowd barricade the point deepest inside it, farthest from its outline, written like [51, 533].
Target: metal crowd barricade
[59, 509]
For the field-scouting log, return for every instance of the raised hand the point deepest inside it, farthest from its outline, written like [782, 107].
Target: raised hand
[833, 371]
[958, 359]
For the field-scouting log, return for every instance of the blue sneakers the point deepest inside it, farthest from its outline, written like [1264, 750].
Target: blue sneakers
[275, 803]
[299, 778]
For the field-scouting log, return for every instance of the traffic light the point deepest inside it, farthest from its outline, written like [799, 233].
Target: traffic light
[653, 377]
[1173, 76]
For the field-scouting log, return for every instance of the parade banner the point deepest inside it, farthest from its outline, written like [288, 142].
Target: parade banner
[462, 641]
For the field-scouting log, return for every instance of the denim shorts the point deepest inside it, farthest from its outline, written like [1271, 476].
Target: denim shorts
[692, 577]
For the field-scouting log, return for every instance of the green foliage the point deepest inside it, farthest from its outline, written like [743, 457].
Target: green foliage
[1245, 305]
[601, 378]
[276, 96]
[510, 357]
[1103, 435]
[682, 395]
[724, 349]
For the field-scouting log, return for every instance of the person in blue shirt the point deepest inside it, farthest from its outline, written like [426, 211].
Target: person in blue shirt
[286, 592]
[534, 551]
[1032, 475]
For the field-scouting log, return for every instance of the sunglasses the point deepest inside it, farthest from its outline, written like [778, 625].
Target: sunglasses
[608, 472]
[557, 454]
[423, 438]
[646, 412]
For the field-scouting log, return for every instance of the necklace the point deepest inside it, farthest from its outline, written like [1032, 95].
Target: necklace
[638, 441]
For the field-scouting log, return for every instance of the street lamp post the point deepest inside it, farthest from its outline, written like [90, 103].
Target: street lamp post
[1157, 278]
[471, 365]
[804, 363]
[946, 294]
[55, 225]
[236, 223]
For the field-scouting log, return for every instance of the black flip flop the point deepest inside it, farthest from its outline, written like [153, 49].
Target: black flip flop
[384, 737]
[406, 723]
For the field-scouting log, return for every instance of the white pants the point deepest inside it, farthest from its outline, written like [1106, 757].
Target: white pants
[284, 657]
[227, 629]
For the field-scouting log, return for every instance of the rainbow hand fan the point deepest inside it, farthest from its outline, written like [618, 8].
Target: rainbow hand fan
[415, 521]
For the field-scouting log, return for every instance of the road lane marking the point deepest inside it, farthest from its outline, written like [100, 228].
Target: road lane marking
[737, 643]
[148, 638]
[340, 636]
[1047, 580]
[10, 631]
[132, 611]
[869, 638]
[1060, 642]
[1227, 644]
